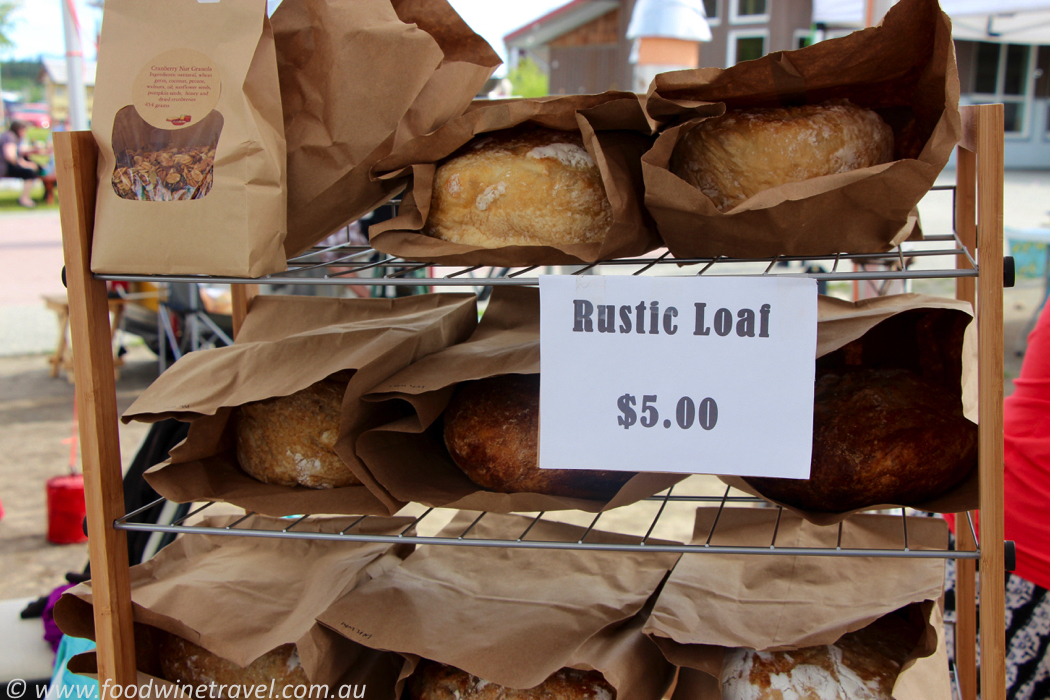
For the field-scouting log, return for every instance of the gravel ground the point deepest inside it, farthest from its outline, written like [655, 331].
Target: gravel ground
[36, 423]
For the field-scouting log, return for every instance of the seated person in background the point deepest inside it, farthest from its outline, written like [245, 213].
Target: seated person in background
[15, 163]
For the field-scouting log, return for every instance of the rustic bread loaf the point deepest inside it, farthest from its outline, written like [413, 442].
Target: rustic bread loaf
[434, 681]
[735, 156]
[536, 187]
[290, 440]
[186, 663]
[859, 666]
[492, 433]
[880, 436]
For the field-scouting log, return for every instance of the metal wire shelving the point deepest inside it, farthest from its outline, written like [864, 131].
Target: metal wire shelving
[286, 528]
[353, 259]
[342, 264]
[943, 256]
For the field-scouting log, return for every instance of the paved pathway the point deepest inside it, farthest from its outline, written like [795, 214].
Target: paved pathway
[30, 266]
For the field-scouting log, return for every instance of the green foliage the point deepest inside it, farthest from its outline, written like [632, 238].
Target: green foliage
[7, 11]
[20, 70]
[528, 80]
[22, 77]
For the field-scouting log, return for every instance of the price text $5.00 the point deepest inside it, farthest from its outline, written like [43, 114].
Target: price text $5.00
[687, 412]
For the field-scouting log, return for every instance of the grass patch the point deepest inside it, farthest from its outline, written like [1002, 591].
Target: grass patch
[9, 200]
[34, 134]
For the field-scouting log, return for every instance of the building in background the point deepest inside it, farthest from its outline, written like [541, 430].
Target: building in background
[1003, 52]
[1003, 48]
[742, 30]
[55, 78]
[665, 35]
[591, 46]
[582, 46]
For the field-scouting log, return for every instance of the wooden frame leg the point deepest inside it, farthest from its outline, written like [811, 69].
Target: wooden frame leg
[983, 136]
[241, 296]
[75, 160]
[990, 383]
[966, 569]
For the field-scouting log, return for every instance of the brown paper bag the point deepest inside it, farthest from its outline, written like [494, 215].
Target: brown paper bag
[343, 669]
[408, 454]
[615, 132]
[515, 616]
[287, 344]
[903, 69]
[924, 674]
[357, 78]
[187, 116]
[240, 597]
[933, 336]
[712, 602]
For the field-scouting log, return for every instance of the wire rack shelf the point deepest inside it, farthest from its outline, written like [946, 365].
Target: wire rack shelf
[288, 528]
[347, 263]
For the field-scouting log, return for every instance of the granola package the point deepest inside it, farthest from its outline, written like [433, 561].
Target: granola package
[188, 120]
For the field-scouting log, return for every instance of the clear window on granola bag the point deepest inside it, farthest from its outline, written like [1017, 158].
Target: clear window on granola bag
[157, 165]
[164, 143]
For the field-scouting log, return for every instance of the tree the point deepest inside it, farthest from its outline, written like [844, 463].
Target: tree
[7, 11]
[528, 80]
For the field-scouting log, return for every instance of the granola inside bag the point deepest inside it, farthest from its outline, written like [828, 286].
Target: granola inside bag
[154, 165]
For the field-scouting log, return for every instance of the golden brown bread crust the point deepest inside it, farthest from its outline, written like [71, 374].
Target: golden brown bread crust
[290, 440]
[860, 666]
[735, 156]
[492, 433]
[537, 187]
[186, 663]
[880, 436]
[434, 681]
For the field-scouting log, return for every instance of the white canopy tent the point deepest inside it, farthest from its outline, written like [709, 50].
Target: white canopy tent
[675, 19]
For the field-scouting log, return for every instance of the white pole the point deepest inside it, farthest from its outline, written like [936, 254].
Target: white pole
[74, 68]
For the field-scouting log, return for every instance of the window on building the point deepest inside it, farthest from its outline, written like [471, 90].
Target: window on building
[804, 38]
[750, 7]
[750, 48]
[749, 11]
[711, 10]
[746, 46]
[1001, 74]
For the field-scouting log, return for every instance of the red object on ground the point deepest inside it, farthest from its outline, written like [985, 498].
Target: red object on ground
[66, 509]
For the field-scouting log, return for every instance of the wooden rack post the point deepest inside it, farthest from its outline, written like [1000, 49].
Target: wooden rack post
[966, 569]
[75, 162]
[983, 134]
[241, 296]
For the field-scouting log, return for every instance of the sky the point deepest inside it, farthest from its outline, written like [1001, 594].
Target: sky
[38, 24]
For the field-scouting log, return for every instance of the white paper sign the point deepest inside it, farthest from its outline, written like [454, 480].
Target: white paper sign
[706, 375]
